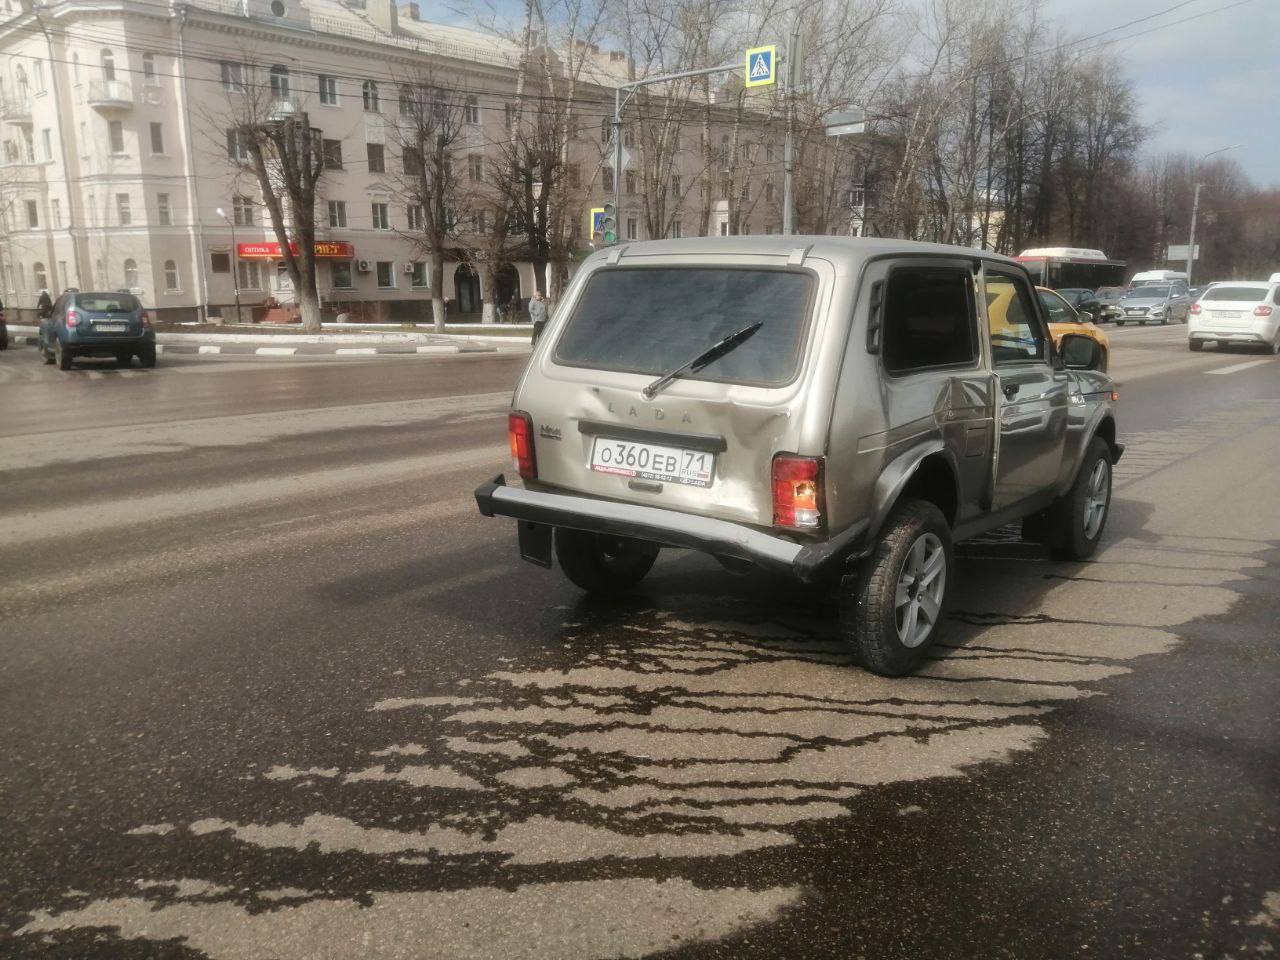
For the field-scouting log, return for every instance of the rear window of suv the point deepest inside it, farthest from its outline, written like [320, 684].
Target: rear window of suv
[651, 320]
[107, 302]
[1243, 294]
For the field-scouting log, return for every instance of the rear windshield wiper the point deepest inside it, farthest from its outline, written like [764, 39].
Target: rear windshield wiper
[707, 356]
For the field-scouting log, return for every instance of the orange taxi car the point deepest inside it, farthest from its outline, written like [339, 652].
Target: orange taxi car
[1064, 319]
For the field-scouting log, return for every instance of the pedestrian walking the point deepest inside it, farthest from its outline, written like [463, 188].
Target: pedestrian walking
[44, 305]
[537, 313]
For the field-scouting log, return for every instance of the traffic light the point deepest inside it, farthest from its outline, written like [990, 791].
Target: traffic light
[609, 223]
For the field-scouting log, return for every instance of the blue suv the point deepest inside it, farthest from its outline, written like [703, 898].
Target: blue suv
[97, 325]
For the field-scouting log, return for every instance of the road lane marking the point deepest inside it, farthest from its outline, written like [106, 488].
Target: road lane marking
[1236, 368]
[276, 351]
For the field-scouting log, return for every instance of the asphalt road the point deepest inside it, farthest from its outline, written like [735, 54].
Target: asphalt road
[271, 688]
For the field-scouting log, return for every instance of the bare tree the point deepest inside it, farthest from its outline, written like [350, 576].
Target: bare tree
[267, 129]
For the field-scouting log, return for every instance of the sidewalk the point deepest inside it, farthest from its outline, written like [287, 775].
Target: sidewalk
[349, 342]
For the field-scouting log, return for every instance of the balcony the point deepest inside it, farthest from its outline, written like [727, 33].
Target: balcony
[109, 95]
[16, 110]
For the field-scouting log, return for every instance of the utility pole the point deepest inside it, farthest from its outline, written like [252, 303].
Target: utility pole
[1191, 241]
[793, 75]
[235, 253]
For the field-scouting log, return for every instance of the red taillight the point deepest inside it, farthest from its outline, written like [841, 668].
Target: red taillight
[797, 492]
[520, 434]
[1195, 309]
[73, 319]
[1262, 311]
[146, 320]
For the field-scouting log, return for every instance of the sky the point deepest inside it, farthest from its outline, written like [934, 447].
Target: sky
[1207, 83]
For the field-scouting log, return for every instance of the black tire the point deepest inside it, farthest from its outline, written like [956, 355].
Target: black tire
[1195, 345]
[1119, 323]
[869, 599]
[1142, 323]
[147, 356]
[124, 359]
[1164, 321]
[1074, 530]
[62, 355]
[602, 564]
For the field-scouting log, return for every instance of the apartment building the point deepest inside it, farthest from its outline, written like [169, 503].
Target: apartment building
[121, 168]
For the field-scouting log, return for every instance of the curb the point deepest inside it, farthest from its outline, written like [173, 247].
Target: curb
[302, 350]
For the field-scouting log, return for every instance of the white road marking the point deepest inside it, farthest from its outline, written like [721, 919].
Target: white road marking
[356, 350]
[274, 351]
[205, 348]
[1237, 367]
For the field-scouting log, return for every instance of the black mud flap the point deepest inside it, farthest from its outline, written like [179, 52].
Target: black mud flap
[535, 542]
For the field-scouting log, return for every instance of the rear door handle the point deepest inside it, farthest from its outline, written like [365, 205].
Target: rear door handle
[1010, 390]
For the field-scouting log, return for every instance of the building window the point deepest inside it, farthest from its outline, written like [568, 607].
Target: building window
[243, 211]
[37, 71]
[381, 216]
[55, 212]
[677, 229]
[768, 190]
[369, 93]
[630, 181]
[419, 276]
[675, 187]
[328, 90]
[414, 215]
[386, 274]
[726, 187]
[628, 137]
[509, 115]
[123, 216]
[250, 275]
[481, 221]
[232, 75]
[768, 153]
[149, 70]
[63, 276]
[606, 179]
[115, 133]
[41, 278]
[412, 161]
[376, 154]
[280, 82]
[130, 273]
[340, 273]
[33, 215]
[171, 277]
[631, 228]
[475, 166]
[220, 262]
[471, 111]
[283, 281]
[164, 214]
[157, 138]
[332, 154]
[337, 213]
[573, 176]
[406, 99]
[278, 8]
[46, 144]
[28, 147]
[724, 228]
[108, 65]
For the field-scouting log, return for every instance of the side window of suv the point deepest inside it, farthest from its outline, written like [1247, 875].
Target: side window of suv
[1016, 334]
[928, 318]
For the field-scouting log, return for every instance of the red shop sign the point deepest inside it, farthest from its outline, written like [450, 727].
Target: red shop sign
[325, 250]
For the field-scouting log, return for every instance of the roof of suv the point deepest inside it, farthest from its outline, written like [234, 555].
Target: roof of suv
[834, 248]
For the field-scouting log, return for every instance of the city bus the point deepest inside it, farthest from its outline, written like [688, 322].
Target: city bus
[1060, 268]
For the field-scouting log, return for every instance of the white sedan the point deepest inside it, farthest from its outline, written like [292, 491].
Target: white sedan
[1236, 311]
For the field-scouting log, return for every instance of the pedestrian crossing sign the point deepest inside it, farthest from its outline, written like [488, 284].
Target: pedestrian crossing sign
[760, 66]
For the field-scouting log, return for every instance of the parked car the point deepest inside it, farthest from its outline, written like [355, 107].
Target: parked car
[1109, 300]
[1157, 302]
[838, 409]
[86, 324]
[1065, 319]
[1083, 301]
[1237, 311]
[4, 329]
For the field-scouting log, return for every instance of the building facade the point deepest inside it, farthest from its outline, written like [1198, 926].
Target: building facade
[121, 168]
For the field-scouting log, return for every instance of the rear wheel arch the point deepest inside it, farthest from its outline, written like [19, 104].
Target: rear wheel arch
[925, 473]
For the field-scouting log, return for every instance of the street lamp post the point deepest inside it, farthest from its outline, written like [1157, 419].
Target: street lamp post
[1195, 205]
[235, 264]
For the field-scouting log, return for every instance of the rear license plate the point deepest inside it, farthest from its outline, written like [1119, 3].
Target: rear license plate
[651, 461]
[1226, 315]
[111, 327]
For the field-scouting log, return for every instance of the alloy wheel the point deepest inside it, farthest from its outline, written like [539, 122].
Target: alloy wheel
[922, 583]
[1096, 498]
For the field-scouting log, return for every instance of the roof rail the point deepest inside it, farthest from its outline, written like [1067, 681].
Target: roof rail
[616, 254]
[798, 255]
